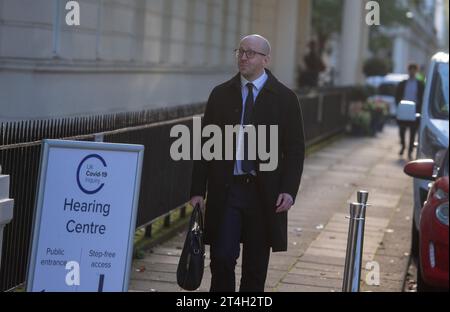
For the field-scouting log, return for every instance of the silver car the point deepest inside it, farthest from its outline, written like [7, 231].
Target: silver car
[433, 131]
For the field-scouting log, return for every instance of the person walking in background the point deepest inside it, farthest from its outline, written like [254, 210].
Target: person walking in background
[245, 204]
[410, 89]
[314, 66]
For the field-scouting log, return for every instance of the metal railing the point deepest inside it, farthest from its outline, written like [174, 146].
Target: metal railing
[20, 155]
[324, 114]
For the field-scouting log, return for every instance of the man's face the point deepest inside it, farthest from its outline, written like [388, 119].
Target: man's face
[250, 67]
[412, 72]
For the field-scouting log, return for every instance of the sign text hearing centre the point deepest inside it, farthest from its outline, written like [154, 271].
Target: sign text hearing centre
[85, 216]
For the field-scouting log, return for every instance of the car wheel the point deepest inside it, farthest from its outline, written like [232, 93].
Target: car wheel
[422, 286]
[415, 243]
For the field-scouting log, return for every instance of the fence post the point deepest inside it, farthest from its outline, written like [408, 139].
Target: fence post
[355, 240]
[6, 206]
[183, 211]
[148, 231]
[167, 221]
[320, 108]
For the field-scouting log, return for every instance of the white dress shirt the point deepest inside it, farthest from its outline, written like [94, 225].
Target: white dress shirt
[410, 93]
[258, 84]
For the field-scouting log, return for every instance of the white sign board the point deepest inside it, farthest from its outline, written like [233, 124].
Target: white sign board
[85, 216]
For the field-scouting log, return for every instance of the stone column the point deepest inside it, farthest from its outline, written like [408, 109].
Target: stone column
[353, 49]
[303, 29]
[400, 54]
[285, 46]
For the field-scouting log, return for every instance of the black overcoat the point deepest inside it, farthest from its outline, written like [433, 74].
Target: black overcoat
[275, 105]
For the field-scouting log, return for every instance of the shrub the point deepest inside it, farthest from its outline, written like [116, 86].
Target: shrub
[361, 122]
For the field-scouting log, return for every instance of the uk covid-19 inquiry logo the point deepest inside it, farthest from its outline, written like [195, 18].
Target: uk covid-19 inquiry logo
[92, 174]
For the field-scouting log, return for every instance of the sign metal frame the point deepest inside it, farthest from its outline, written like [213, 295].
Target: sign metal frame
[47, 145]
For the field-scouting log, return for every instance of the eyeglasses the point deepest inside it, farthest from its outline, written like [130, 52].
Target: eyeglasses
[248, 53]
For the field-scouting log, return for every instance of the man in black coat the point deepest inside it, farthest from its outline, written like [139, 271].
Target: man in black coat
[410, 89]
[245, 202]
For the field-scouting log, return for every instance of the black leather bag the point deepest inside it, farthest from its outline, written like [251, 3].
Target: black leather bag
[192, 260]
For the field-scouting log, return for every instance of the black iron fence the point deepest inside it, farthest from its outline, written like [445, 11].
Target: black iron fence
[324, 114]
[162, 187]
[165, 183]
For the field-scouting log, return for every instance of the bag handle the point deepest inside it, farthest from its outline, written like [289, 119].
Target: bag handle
[196, 217]
[197, 230]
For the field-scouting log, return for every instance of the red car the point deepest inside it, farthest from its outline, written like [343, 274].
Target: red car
[432, 265]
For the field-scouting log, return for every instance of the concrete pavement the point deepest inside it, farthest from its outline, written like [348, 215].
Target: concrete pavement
[318, 227]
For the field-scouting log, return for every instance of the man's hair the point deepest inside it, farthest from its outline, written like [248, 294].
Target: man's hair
[413, 66]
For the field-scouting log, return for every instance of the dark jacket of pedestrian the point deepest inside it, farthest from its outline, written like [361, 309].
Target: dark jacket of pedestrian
[400, 93]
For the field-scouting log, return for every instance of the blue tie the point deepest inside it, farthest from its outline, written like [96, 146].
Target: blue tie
[248, 165]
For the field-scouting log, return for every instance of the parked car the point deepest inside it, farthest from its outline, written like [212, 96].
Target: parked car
[433, 131]
[385, 89]
[432, 261]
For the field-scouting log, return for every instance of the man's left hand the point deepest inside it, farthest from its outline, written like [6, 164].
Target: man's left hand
[284, 202]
